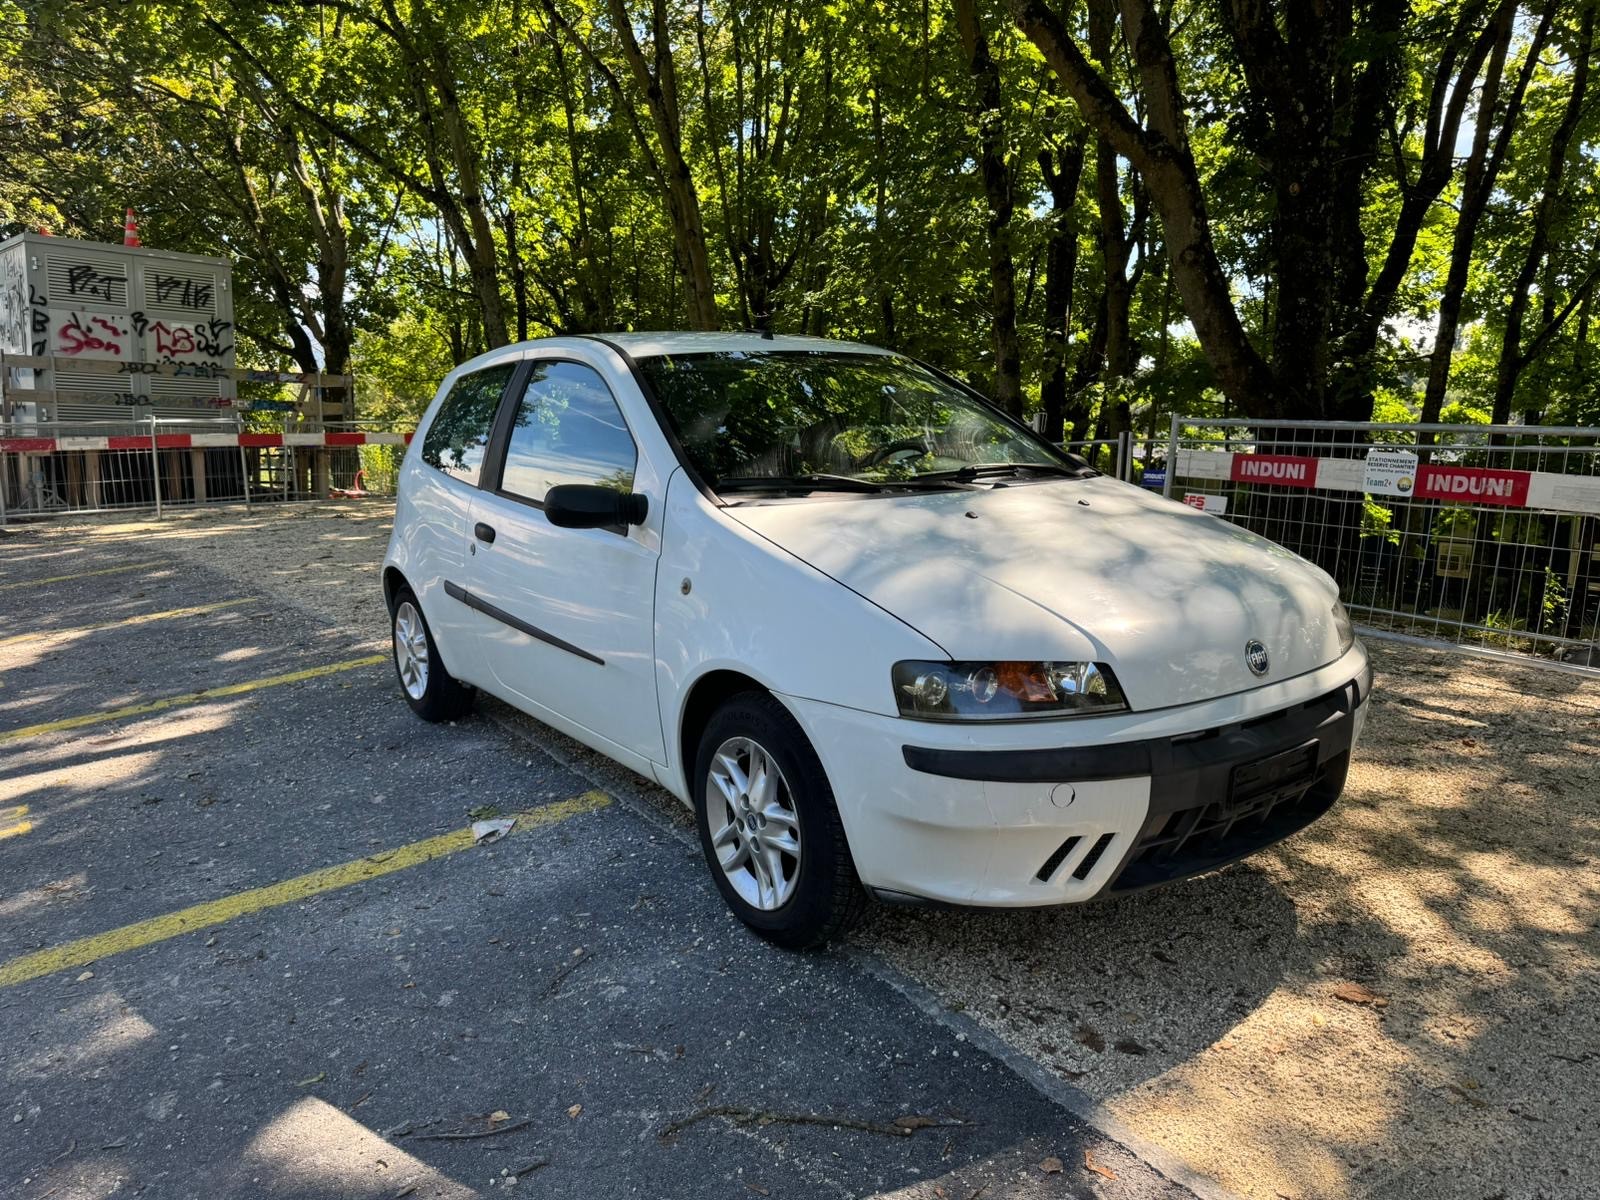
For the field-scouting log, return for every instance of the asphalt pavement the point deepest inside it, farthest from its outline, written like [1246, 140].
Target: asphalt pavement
[249, 947]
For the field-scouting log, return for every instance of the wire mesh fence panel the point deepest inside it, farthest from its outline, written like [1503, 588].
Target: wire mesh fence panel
[1483, 537]
[53, 470]
[49, 470]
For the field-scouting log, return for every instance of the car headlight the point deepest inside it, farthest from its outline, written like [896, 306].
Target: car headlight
[988, 691]
[1341, 622]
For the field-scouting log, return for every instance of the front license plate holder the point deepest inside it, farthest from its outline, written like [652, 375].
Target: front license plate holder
[1270, 779]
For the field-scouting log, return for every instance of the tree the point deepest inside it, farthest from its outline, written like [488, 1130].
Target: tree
[998, 191]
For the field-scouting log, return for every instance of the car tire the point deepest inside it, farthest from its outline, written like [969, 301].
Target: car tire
[432, 692]
[760, 792]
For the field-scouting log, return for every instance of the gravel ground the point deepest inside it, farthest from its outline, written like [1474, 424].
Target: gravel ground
[1402, 1001]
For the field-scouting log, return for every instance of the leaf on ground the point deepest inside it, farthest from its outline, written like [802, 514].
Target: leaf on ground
[1088, 1035]
[317, 1078]
[1359, 993]
[758, 1189]
[574, 1110]
[1098, 1168]
[1129, 1046]
[1051, 1165]
[483, 812]
[86, 976]
[499, 1115]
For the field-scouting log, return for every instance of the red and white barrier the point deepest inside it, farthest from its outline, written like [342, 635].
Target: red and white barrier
[1462, 485]
[197, 441]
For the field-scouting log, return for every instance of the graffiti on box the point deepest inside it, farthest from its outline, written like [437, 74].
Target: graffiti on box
[93, 283]
[13, 306]
[171, 370]
[181, 341]
[91, 334]
[179, 291]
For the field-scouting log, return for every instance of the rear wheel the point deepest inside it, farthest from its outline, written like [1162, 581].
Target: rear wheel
[431, 691]
[769, 827]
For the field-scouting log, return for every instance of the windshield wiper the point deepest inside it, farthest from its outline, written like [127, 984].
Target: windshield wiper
[822, 482]
[798, 483]
[1000, 470]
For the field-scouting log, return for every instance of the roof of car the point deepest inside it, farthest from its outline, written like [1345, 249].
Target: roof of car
[647, 345]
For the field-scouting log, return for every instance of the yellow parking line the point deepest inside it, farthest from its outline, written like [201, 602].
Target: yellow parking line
[139, 566]
[289, 891]
[216, 693]
[13, 822]
[170, 614]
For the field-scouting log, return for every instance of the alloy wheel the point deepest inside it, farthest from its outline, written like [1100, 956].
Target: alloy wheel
[411, 650]
[755, 828]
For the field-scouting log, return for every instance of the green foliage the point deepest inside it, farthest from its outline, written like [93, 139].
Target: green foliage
[397, 179]
[1378, 522]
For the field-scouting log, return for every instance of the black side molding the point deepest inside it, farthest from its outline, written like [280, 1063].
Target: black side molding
[456, 591]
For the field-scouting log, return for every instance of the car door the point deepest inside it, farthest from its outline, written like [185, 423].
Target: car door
[433, 523]
[566, 616]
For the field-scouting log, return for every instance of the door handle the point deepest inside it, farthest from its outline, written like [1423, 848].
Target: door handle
[484, 533]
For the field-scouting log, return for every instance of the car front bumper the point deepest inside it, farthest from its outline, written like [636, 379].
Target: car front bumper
[1043, 812]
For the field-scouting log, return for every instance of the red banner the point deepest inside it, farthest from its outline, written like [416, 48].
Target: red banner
[1473, 485]
[1281, 470]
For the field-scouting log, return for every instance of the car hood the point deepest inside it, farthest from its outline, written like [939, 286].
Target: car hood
[1074, 570]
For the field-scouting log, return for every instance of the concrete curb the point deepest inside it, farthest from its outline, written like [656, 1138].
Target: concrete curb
[1075, 1100]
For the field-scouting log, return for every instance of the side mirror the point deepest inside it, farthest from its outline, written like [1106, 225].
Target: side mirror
[589, 506]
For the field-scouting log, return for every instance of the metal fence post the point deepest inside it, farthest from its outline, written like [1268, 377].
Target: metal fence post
[155, 465]
[1172, 457]
[244, 457]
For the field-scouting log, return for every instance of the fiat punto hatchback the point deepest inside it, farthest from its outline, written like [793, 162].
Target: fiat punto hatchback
[880, 637]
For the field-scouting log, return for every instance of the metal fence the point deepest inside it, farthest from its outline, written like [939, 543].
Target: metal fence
[1482, 537]
[63, 468]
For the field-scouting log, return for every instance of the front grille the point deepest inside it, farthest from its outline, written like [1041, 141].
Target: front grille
[1200, 838]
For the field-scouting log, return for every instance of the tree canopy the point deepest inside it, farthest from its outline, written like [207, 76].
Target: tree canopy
[1109, 210]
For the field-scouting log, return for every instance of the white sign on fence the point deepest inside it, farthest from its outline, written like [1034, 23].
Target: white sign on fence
[1390, 473]
[1216, 505]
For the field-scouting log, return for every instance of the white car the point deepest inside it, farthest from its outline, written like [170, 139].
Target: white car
[880, 637]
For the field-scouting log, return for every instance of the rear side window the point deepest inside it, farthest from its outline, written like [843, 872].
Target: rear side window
[459, 435]
[567, 430]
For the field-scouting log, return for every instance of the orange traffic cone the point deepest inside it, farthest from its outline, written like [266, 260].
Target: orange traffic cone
[130, 230]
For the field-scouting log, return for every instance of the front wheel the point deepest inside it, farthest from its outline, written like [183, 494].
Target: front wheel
[769, 827]
[432, 692]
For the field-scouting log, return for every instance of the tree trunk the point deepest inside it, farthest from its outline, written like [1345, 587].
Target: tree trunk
[1477, 184]
[1451, 89]
[883, 268]
[997, 190]
[660, 86]
[1062, 174]
[1512, 356]
[1160, 152]
[468, 209]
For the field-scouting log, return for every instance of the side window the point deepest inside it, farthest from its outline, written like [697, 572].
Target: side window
[567, 430]
[456, 440]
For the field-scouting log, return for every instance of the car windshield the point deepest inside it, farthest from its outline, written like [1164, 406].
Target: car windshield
[830, 421]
